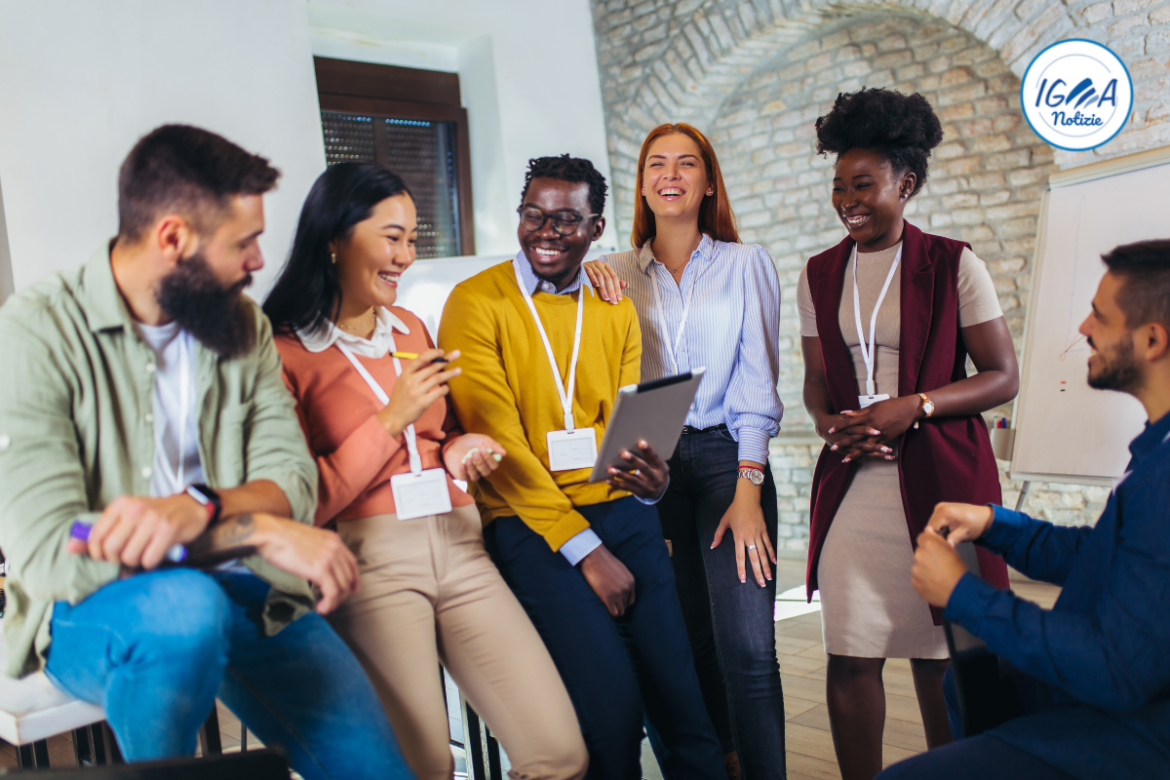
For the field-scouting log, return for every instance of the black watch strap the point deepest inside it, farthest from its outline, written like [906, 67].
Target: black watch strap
[208, 497]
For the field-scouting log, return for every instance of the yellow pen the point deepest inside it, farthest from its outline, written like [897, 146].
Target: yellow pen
[414, 356]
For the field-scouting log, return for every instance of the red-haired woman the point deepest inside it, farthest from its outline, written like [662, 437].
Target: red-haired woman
[705, 299]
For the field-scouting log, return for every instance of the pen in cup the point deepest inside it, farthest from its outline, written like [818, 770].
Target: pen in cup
[80, 531]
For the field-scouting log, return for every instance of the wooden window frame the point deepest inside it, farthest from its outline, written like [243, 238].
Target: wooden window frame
[403, 93]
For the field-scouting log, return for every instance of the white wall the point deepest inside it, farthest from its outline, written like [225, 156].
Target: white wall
[82, 80]
[527, 72]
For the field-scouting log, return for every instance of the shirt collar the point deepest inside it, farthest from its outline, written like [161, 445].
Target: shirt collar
[377, 345]
[705, 250]
[103, 304]
[534, 284]
[1149, 439]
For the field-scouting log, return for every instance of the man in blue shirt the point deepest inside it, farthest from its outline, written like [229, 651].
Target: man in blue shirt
[1095, 671]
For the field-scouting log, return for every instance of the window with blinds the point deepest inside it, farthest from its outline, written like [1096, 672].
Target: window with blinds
[421, 152]
[411, 122]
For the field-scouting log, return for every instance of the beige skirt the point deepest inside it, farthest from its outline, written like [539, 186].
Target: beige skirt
[868, 607]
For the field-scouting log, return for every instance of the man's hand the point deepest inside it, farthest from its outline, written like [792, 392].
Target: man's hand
[937, 568]
[962, 522]
[644, 473]
[137, 532]
[315, 554]
[610, 580]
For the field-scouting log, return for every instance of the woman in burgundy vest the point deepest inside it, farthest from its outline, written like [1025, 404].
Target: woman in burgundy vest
[900, 416]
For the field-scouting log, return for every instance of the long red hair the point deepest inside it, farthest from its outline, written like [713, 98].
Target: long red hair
[715, 216]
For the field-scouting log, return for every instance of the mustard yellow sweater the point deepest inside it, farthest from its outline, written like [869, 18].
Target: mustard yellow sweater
[507, 391]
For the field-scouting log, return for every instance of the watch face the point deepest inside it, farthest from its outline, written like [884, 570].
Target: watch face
[928, 407]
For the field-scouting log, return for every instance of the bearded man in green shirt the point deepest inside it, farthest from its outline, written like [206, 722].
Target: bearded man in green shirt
[143, 421]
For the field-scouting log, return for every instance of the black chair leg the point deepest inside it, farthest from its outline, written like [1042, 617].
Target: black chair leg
[243, 738]
[97, 735]
[495, 768]
[82, 747]
[24, 756]
[112, 744]
[209, 739]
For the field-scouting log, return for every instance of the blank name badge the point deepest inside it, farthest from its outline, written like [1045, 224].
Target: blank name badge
[869, 400]
[575, 449]
[421, 494]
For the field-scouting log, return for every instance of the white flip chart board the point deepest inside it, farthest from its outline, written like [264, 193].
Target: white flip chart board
[1065, 430]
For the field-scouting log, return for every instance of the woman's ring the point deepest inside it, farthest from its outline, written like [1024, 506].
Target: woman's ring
[751, 547]
[637, 472]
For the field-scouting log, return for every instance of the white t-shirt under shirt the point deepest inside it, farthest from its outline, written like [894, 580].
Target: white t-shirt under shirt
[176, 430]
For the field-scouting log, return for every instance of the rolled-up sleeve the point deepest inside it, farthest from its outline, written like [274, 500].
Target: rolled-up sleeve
[275, 448]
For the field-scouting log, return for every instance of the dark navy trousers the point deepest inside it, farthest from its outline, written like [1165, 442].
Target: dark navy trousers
[616, 671]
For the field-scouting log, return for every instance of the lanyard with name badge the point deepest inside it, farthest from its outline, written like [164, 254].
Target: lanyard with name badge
[867, 355]
[570, 448]
[419, 493]
[672, 349]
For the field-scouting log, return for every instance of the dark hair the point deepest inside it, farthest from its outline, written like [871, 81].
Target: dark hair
[1145, 271]
[306, 293]
[186, 170]
[902, 128]
[571, 169]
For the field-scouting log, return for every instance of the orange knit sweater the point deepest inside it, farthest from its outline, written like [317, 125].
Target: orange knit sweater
[355, 455]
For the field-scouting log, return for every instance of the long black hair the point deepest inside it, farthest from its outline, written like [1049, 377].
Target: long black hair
[306, 294]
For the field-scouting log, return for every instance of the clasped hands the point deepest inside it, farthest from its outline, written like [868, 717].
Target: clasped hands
[868, 432]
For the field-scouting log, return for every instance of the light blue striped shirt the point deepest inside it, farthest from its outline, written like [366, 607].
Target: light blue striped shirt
[732, 328]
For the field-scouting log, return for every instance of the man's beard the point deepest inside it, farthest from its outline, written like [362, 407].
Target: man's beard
[216, 316]
[1120, 370]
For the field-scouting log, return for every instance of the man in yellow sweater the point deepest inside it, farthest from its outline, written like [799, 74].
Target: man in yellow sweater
[543, 358]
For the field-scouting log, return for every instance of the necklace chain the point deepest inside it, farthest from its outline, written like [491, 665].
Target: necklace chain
[374, 316]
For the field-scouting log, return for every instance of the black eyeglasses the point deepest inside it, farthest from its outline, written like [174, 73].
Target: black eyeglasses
[564, 222]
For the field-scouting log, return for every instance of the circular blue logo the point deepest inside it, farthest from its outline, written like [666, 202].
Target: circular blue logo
[1076, 94]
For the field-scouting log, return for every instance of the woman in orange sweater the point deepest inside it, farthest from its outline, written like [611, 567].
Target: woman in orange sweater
[388, 450]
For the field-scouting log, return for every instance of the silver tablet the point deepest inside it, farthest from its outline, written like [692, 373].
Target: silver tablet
[652, 411]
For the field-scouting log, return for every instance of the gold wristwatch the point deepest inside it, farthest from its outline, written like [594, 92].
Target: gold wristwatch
[927, 406]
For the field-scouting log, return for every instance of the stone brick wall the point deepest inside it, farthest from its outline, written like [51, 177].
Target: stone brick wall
[755, 75]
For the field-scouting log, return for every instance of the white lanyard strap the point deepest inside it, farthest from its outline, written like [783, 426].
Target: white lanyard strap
[673, 348]
[566, 395]
[411, 440]
[176, 475]
[868, 354]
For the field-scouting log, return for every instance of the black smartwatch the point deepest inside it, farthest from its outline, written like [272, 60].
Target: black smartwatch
[209, 499]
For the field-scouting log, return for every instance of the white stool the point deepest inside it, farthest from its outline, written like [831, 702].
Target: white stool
[32, 709]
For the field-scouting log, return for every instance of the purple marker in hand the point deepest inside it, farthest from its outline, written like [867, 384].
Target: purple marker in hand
[80, 531]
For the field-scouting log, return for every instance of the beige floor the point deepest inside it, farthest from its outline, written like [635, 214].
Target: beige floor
[802, 668]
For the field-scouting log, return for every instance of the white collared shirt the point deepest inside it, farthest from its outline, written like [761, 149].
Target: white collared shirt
[376, 346]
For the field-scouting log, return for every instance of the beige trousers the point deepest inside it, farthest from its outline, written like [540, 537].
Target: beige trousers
[429, 593]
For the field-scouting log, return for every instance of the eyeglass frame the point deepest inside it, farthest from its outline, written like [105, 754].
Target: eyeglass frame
[546, 216]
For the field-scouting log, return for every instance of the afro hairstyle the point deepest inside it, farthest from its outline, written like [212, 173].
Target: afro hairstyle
[902, 128]
[570, 169]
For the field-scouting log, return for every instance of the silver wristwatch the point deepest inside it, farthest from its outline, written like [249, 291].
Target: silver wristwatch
[752, 474]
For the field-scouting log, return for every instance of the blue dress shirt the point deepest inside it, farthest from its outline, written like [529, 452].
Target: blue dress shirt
[732, 329]
[587, 541]
[1101, 656]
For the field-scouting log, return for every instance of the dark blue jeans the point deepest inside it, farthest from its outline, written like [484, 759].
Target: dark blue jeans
[731, 624]
[602, 660]
[156, 649]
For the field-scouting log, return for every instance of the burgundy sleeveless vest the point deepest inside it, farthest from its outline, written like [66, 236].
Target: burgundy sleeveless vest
[945, 458]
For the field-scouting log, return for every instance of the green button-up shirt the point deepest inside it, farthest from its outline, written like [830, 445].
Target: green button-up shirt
[76, 384]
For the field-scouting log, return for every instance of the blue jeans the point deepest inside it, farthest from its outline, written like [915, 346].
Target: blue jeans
[601, 660]
[731, 624]
[156, 649]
